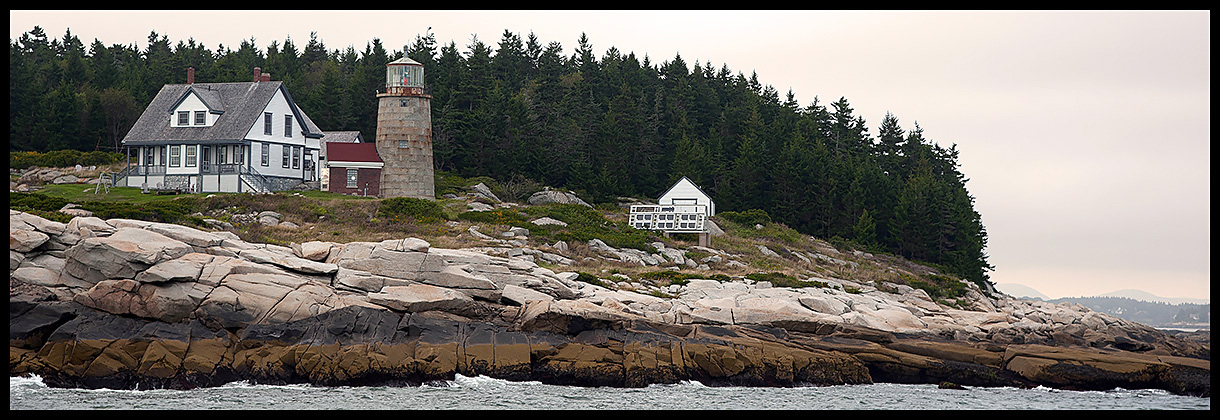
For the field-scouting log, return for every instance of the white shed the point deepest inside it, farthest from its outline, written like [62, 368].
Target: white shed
[683, 208]
[685, 192]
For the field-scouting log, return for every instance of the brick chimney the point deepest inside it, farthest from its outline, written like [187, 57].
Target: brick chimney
[266, 77]
[258, 74]
[190, 75]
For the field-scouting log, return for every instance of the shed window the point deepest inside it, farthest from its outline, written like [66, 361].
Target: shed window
[351, 178]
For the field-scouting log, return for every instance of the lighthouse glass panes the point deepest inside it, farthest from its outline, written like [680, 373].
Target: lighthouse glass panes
[404, 76]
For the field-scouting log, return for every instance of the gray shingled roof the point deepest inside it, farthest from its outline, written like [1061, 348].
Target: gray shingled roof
[342, 137]
[240, 106]
[338, 137]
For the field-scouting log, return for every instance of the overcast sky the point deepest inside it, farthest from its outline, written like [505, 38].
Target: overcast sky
[1085, 134]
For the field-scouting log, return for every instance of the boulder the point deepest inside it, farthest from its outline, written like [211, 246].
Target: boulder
[170, 302]
[290, 262]
[423, 298]
[313, 250]
[25, 240]
[66, 179]
[123, 254]
[522, 296]
[552, 196]
[22, 219]
[186, 268]
[543, 221]
[482, 191]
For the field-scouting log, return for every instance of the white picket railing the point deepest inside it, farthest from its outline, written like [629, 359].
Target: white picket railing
[669, 218]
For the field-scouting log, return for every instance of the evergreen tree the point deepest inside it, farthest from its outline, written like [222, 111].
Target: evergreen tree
[609, 127]
[865, 230]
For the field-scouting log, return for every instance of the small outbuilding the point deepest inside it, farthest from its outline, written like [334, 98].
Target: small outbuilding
[354, 168]
[333, 137]
[683, 208]
[685, 192]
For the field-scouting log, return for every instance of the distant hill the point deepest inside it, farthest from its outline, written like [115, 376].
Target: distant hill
[1021, 291]
[1149, 297]
[1132, 305]
[1155, 314]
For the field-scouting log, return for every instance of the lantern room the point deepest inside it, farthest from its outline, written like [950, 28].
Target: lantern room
[404, 77]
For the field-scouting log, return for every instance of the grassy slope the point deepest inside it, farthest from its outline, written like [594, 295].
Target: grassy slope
[323, 216]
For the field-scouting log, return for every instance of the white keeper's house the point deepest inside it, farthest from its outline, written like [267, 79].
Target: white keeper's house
[222, 137]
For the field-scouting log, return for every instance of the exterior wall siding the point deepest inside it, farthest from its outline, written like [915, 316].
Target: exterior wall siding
[368, 181]
[278, 107]
[685, 190]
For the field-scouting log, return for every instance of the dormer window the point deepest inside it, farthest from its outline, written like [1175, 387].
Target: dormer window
[184, 118]
[201, 117]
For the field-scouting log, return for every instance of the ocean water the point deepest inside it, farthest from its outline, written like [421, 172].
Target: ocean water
[482, 393]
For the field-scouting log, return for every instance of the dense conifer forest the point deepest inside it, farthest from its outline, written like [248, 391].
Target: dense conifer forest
[520, 110]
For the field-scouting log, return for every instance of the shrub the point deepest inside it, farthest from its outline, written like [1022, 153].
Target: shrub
[416, 209]
[675, 277]
[592, 279]
[617, 235]
[517, 189]
[749, 217]
[670, 276]
[940, 287]
[585, 224]
[784, 280]
[572, 214]
[22, 160]
[178, 210]
[62, 158]
[41, 202]
[508, 217]
[99, 158]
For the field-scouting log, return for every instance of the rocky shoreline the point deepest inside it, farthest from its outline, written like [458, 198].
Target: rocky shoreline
[126, 303]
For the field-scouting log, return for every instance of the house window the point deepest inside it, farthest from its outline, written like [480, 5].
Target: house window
[175, 154]
[184, 118]
[267, 123]
[190, 155]
[266, 154]
[148, 156]
[285, 149]
[223, 157]
[200, 117]
[351, 178]
[296, 158]
[287, 126]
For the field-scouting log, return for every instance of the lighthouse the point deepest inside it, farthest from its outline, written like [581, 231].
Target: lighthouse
[404, 132]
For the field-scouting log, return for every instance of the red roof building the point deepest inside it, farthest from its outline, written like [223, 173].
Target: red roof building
[355, 168]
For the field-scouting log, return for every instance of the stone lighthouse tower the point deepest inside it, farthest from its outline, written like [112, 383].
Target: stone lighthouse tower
[404, 132]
